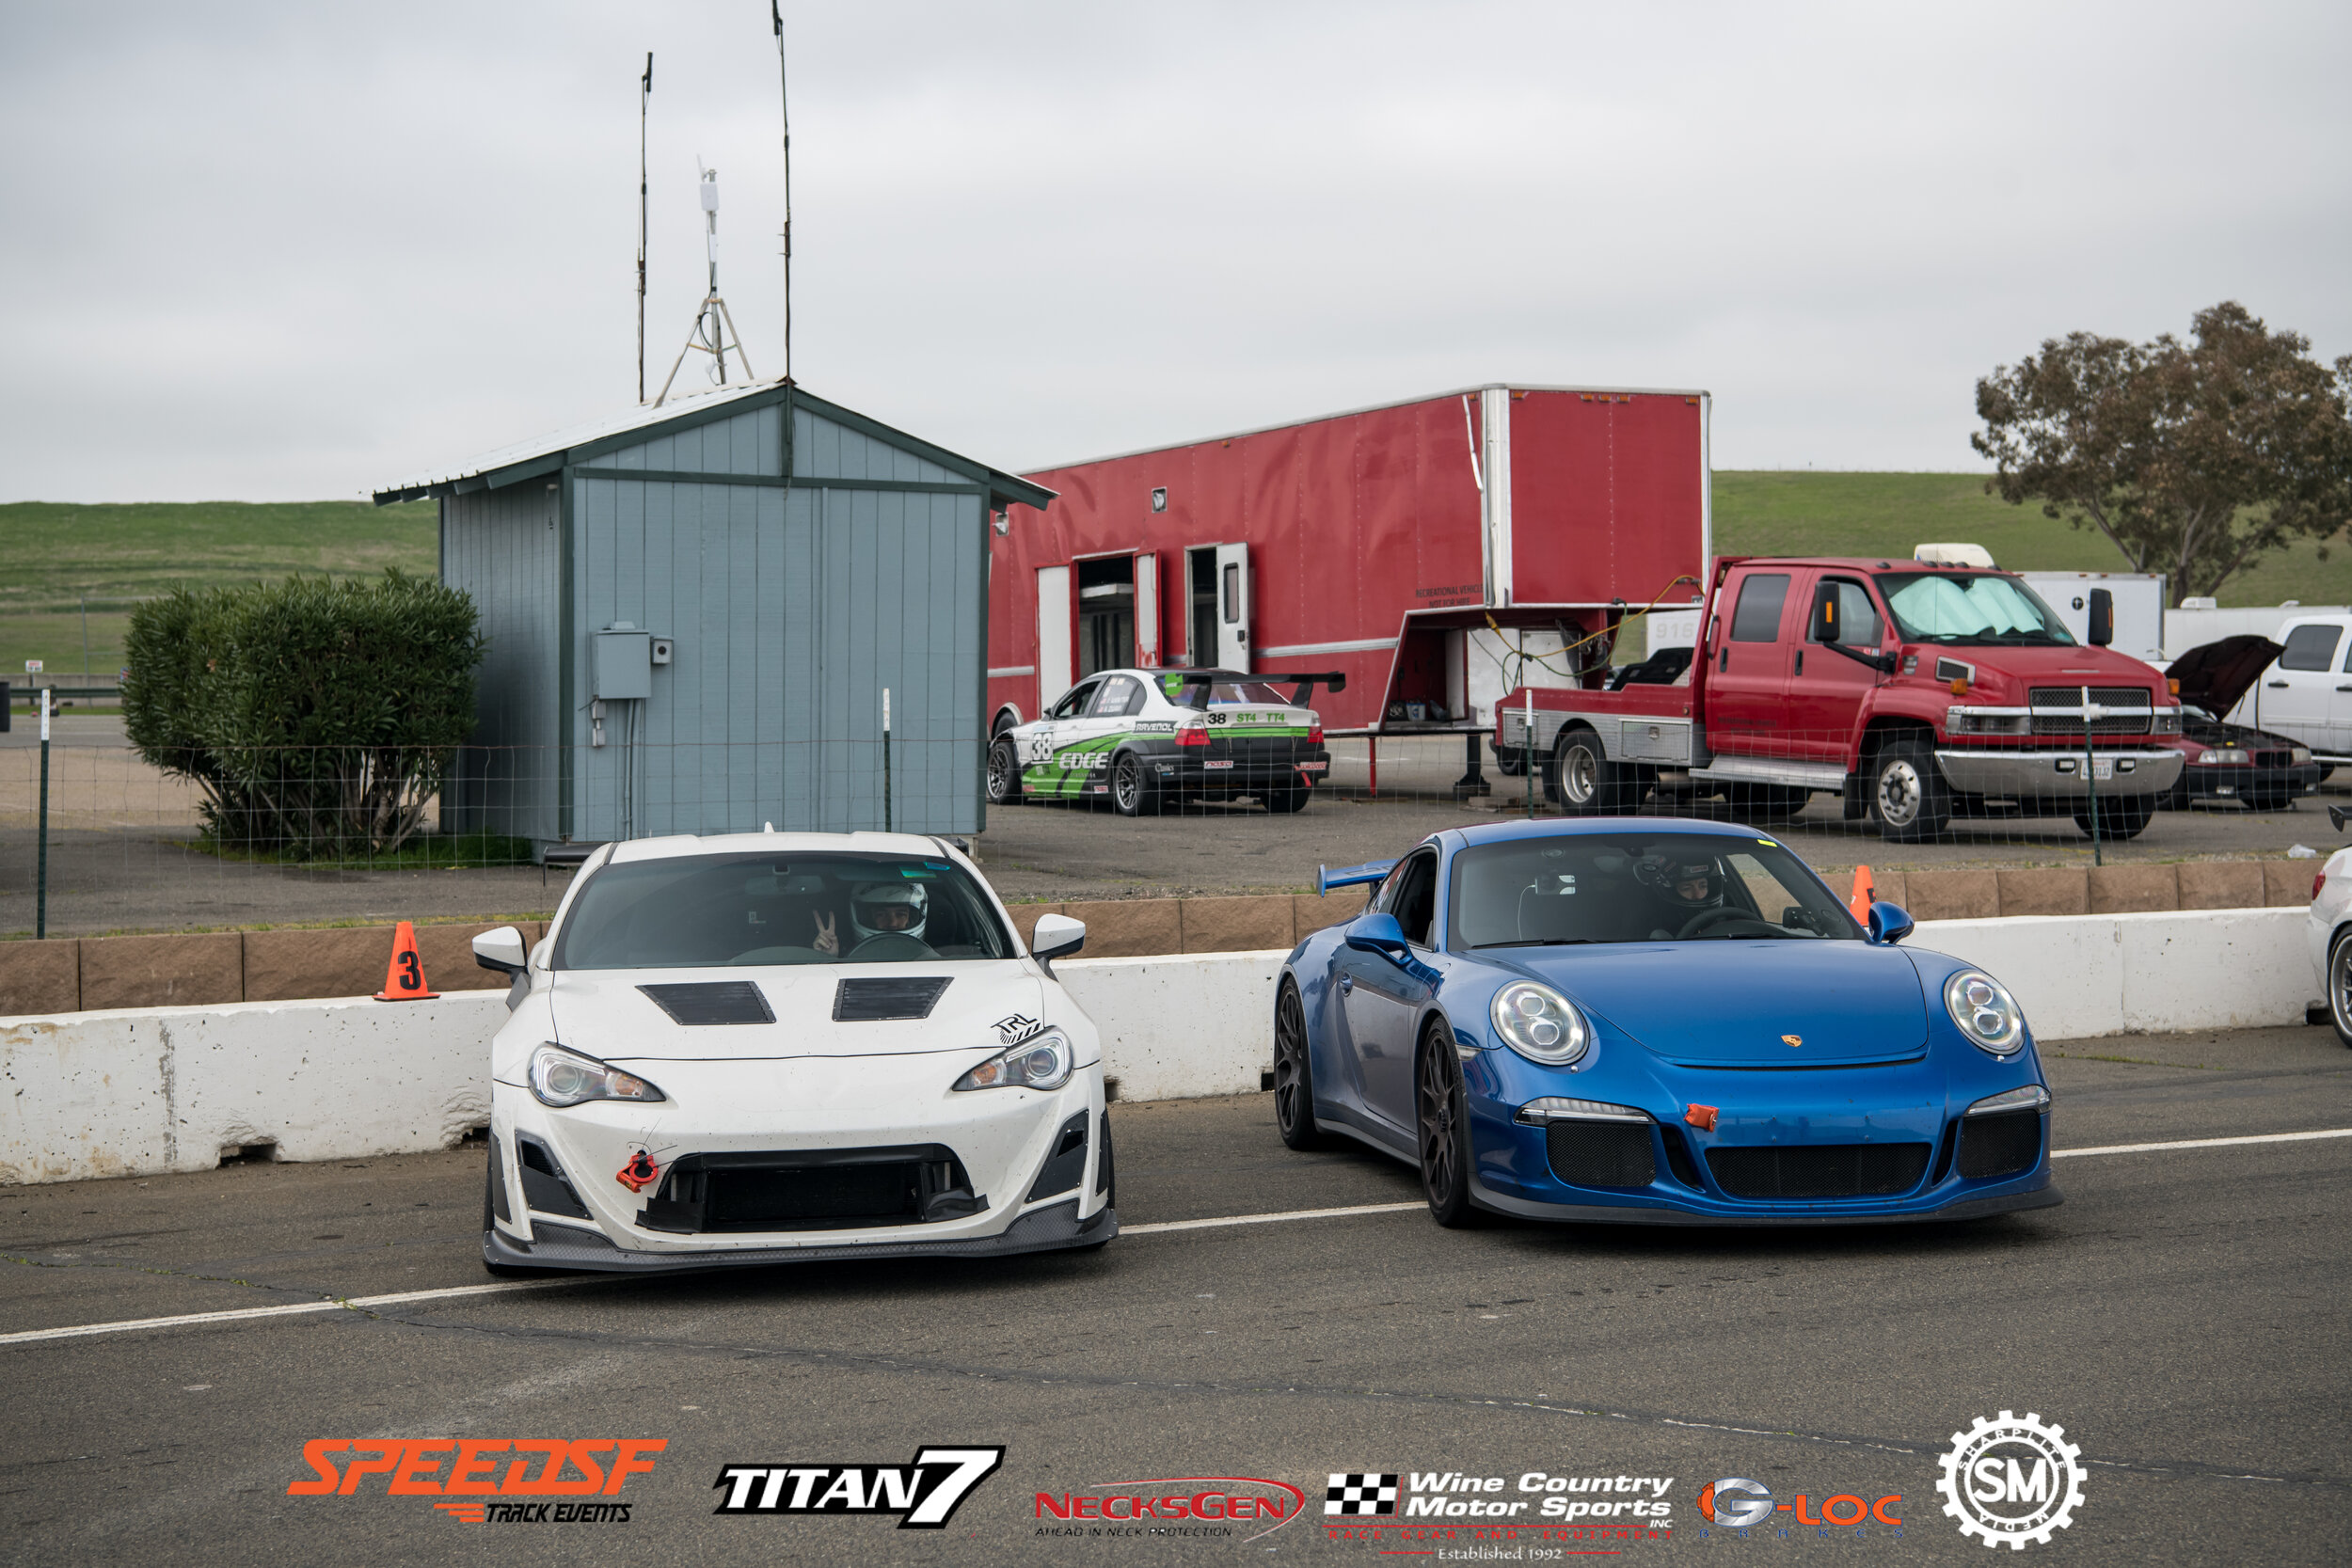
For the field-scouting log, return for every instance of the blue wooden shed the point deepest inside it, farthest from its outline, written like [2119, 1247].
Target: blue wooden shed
[693, 611]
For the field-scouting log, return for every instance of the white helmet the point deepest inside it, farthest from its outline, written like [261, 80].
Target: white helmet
[889, 908]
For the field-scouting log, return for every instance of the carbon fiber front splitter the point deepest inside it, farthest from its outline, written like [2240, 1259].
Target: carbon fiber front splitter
[564, 1246]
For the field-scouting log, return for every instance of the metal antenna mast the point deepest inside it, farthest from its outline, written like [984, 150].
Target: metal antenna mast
[713, 332]
[645, 95]
[783, 91]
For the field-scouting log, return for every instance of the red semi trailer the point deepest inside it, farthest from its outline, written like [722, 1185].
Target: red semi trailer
[1414, 548]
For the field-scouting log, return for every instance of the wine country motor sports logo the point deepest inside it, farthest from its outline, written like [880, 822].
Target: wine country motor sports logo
[1243, 1506]
[487, 1479]
[2011, 1481]
[923, 1495]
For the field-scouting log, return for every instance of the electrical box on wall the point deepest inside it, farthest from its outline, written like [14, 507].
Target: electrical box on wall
[621, 668]
[661, 646]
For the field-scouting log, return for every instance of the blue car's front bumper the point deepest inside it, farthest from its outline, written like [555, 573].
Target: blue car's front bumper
[1906, 1122]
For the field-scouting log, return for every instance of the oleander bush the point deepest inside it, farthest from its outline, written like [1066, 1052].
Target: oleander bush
[319, 717]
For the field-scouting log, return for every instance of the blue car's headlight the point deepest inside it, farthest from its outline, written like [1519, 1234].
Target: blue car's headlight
[1985, 1011]
[1540, 1023]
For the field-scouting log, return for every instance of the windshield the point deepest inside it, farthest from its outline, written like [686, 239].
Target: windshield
[1223, 691]
[695, 911]
[1950, 608]
[1636, 887]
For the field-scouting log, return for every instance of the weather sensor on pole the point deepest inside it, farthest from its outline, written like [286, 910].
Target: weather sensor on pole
[714, 329]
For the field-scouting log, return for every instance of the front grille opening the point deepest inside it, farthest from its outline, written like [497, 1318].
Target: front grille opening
[830, 1190]
[1067, 1162]
[1601, 1153]
[2137, 721]
[1944, 1153]
[1819, 1170]
[2004, 1143]
[1679, 1158]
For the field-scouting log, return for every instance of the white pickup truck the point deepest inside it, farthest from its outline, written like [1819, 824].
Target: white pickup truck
[2307, 695]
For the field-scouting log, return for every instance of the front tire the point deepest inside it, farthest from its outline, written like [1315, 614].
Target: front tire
[1908, 793]
[1132, 792]
[2340, 987]
[2120, 819]
[1004, 775]
[1294, 1073]
[1444, 1131]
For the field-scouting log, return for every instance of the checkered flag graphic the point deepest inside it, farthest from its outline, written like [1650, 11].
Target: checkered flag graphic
[1360, 1494]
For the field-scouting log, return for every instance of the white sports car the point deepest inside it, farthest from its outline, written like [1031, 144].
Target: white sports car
[768, 1048]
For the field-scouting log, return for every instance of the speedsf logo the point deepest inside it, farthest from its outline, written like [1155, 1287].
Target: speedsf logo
[486, 1480]
[2012, 1481]
[923, 1495]
[1540, 1495]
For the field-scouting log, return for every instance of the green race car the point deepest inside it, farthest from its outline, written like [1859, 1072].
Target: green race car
[1144, 738]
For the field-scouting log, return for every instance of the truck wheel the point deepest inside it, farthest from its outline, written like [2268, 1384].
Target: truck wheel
[2119, 818]
[1004, 775]
[1907, 792]
[1510, 761]
[1581, 780]
[1132, 793]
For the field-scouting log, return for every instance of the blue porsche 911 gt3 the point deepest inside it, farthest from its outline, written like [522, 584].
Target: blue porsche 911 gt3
[1654, 1021]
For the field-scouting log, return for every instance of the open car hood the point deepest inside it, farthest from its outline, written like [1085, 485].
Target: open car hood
[2216, 676]
[1730, 1004]
[605, 1013]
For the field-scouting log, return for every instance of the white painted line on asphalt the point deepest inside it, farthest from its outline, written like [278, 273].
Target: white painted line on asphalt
[1267, 1219]
[361, 1303]
[2203, 1143]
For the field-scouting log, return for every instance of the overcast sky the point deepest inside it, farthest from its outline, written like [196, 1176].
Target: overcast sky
[277, 251]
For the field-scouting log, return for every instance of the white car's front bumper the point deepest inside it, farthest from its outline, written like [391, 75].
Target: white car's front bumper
[728, 1127]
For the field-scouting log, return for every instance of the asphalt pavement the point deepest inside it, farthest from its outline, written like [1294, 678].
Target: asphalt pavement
[2182, 1316]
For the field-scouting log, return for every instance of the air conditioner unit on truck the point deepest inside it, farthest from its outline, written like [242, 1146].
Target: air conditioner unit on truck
[1916, 690]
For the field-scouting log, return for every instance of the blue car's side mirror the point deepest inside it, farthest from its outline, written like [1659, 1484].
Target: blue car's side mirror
[1381, 934]
[1889, 924]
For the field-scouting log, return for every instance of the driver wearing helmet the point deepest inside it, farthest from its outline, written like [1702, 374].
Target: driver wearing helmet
[1696, 885]
[889, 908]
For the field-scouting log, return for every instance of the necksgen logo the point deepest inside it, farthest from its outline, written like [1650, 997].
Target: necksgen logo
[483, 1474]
[1176, 1505]
[924, 1494]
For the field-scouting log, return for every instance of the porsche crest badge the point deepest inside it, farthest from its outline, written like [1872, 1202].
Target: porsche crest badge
[1792, 1040]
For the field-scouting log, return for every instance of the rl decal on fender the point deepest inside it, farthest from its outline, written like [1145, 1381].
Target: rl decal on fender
[924, 1494]
[469, 1469]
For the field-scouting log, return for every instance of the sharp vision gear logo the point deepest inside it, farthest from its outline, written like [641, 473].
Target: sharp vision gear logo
[2011, 1481]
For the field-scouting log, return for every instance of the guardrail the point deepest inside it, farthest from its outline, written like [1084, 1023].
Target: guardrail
[139, 1091]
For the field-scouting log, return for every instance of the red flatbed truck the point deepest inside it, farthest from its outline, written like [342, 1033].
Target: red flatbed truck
[1916, 692]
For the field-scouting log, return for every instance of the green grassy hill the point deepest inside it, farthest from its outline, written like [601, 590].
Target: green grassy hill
[51, 554]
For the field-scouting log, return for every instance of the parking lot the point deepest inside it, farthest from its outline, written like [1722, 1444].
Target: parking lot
[2182, 1315]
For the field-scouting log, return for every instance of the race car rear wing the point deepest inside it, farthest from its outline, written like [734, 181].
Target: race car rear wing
[1349, 876]
[1333, 680]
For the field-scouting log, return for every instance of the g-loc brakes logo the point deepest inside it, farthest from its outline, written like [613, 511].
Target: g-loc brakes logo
[1998, 1497]
[535, 1467]
[924, 1494]
[1737, 1502]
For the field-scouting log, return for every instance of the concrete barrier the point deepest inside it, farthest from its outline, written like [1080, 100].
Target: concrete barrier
[142, 1090]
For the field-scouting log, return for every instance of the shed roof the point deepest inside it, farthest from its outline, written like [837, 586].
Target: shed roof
[523, 460]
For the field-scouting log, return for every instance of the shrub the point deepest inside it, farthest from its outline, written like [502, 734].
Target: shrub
[318, 717]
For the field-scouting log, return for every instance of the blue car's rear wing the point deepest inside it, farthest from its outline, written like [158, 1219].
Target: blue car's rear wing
[1348, 876]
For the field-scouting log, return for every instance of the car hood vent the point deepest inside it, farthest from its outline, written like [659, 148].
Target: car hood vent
[872, 1001]
[711, 1002]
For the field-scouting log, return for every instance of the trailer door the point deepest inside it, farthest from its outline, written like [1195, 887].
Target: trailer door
[1053, 635]
[1233, 607]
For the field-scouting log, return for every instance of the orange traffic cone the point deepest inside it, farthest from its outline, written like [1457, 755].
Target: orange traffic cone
[1865, 892]
[404, 978]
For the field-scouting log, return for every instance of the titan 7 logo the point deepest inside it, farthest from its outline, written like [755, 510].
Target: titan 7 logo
[924, 1494]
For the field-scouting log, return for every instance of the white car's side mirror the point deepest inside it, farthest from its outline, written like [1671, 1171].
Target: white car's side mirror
[501, 950]
[1056, 936]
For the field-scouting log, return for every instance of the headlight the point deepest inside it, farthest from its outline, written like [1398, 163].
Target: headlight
[561, 1077]
[1985, 1011]
[1040, 1062]
[2031, 1097]
[2300, 756]
[1540, 1023]
[2226, 754]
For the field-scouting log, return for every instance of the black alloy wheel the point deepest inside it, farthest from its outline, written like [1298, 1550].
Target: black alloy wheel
[1004, 775]
[1294, 1072]
[1444, 1131]
[2340, 987]
[1132, 794]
